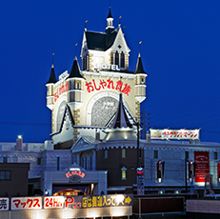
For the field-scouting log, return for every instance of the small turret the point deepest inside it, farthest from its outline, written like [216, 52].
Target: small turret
[140, 85]
[75, 80]
[50, 87]
[109, 20]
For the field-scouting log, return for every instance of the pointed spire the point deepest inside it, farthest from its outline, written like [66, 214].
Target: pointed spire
[121, 118]
[109, 20]
[109, 13]
[52, 78]
[139, 65]
[75, 71]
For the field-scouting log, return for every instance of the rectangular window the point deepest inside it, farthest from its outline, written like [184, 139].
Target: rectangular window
[58, 163]
[105, 154]
[5, 175]
[5, 159]
[155, 154]
[123, 153]
[215, 155]
[186, 155]
[39, 161]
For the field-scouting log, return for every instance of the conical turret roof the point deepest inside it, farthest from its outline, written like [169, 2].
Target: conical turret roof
[121, 119]
[139, 65]
[52, 78]
[75, 71]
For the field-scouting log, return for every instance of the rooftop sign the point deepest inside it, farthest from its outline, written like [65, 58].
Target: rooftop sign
[174, 134]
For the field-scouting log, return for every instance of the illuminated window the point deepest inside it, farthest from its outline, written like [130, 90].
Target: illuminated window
[160, 171]
[123, 153]
[122, 60]
[112, 58]
[123, 173]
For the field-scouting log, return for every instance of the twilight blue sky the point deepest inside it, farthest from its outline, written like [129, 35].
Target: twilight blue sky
[180, 51]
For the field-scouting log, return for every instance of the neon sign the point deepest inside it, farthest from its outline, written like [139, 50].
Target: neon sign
[108, 84]
[75, 172]
[63, 87]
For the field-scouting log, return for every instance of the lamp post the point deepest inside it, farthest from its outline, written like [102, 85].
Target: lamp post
[139, 169]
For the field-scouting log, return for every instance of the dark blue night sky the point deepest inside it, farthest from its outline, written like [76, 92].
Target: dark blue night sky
[180, 51]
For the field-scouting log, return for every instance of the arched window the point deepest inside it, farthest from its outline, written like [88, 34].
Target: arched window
[117, 58]
[122, 60]
[85, 63]
[123, 173]
[112, 58]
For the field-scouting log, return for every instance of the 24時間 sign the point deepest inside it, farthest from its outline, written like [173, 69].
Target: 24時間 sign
[171, 134]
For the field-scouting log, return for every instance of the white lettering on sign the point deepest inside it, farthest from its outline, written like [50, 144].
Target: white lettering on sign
[106, 67]
[63, 75]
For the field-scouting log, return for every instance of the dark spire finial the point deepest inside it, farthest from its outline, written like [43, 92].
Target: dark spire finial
[109, 13]
[52, 78]
[139, 65]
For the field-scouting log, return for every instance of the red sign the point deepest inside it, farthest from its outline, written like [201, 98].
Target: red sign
[63, 87]
[201, 165]
[218, 170]
[54, 202]
[75, 172]
[108, 84]
[26, 203]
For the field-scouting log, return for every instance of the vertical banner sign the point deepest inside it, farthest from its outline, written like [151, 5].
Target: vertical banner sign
[201, 166]
[140, 181]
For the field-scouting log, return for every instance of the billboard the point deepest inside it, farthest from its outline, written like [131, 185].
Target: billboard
[21, 203]
[201, 166]
[174, 134]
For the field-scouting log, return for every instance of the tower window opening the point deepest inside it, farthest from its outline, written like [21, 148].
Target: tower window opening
[122, 60]
[116, 58]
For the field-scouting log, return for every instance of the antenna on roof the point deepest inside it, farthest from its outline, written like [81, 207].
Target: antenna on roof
[119, 20]
[75, 48]
[140, 45]
[52, 58]
[85, 24]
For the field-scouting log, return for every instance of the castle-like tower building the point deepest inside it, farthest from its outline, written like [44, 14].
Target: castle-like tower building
[84, 100]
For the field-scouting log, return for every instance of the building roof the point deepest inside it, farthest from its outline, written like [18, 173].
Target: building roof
[99, 40]
[75, 71]
[67, 110]
[139, 66]
[121, 119]
[52, 78]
